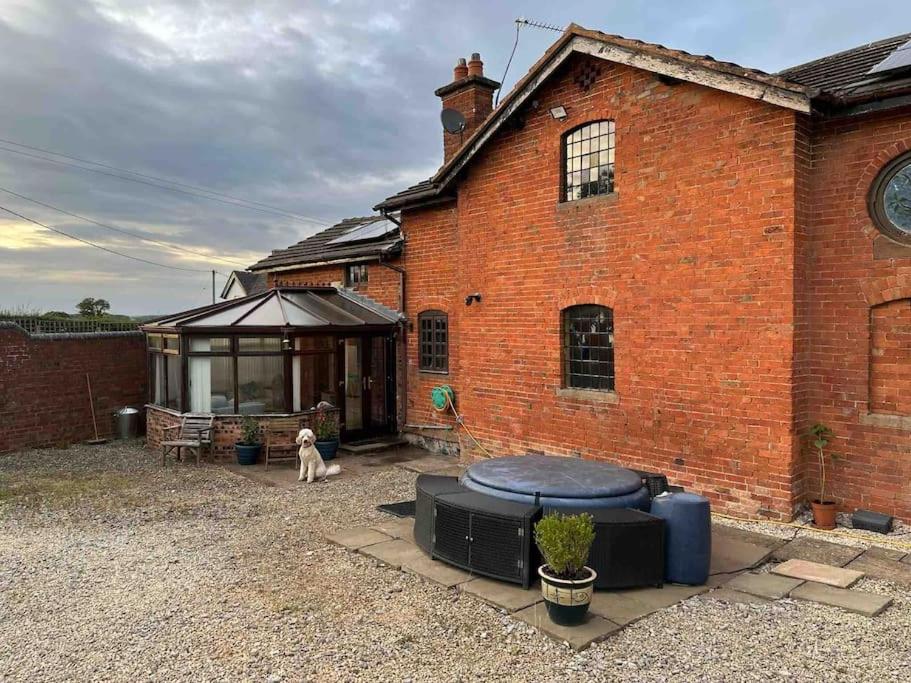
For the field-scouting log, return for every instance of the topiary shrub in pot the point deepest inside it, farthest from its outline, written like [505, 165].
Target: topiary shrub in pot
[325, 428]
[250, 444]
[566, 583]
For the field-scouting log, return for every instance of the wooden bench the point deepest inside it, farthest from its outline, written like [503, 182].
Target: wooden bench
[195, 433]
[280, 434]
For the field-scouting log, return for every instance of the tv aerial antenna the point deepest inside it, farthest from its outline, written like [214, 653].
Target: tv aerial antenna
[520, 22]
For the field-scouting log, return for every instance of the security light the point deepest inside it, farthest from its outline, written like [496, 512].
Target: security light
[559, 113]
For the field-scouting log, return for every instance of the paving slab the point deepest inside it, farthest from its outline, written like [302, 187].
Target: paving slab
[357, 537]
[907, 559]
[393, 552]
[618, 608]
[658, 598]
[868, 604]
[429, 464]
[814, 550]
[730, 554]
[592, 630]
[402, 527]
[820, 573]
[434, 570]
[878, 566]
[744, 536]
[885, 553]
[507, 596]
[769, 586]
[735, 597]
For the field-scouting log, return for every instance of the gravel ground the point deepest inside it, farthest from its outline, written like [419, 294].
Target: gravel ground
[114, 569]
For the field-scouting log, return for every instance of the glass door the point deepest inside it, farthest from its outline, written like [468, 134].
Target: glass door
[368, 386]
[352, 361]
[376, 384]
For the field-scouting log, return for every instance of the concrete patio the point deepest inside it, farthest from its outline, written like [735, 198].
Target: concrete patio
[735, 555]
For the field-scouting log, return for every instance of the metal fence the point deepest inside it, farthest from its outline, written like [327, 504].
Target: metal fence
[39, 325]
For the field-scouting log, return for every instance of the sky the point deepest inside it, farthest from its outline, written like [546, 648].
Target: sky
[313, 110]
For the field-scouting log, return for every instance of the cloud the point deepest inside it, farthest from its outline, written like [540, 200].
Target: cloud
[321, 108]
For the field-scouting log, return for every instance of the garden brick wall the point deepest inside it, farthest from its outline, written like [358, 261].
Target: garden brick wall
[859, 292]
[695, 252]
[382, 283]
[43, 394]
[226, 431]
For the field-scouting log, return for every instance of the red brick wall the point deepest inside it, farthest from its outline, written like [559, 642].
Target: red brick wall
[859, 389]
[226, 432]
[890, 358]
[43, 394]
[382, 282]
[695, 253]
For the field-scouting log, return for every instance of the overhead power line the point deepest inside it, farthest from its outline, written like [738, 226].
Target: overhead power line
[121, 230]
[110, 251]
[172, 186]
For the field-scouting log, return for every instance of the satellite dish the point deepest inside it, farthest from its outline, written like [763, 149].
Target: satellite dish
[453, 121]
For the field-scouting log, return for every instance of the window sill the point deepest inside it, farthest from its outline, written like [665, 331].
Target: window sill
[588, 201]
[902, 422]
[433, 372]
[590, 395]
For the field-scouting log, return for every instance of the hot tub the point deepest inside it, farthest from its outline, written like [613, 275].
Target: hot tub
[558, 483]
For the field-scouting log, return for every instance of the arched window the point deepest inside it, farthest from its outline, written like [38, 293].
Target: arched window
[588, 347]
[588, 161]
[433, 340]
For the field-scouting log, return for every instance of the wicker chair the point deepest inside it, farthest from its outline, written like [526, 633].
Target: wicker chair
[280, 439]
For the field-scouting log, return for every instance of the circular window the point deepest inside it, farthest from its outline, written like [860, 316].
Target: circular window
[890, 199]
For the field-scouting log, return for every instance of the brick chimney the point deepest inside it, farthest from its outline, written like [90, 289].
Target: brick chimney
[470, 94]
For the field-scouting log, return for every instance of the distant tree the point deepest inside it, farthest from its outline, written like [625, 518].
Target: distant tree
[92, 308]
[56, 314]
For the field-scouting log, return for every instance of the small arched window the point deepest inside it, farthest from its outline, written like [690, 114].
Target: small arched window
[588, 347]
[588, 161]
[433, 340]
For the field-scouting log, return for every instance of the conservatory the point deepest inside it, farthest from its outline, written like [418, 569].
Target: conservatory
[280, 352]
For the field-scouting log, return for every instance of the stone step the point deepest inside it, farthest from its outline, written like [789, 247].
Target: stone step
[372, 446]
[820, 573]
[868, 604]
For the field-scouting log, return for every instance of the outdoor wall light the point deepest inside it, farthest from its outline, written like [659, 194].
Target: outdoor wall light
[473, 297]
[559, 113]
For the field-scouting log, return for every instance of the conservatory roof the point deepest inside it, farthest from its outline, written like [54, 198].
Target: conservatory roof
[323, 308]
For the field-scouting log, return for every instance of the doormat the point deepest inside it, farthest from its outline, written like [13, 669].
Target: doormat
[403, 509]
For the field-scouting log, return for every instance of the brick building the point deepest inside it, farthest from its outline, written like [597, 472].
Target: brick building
[682, 264]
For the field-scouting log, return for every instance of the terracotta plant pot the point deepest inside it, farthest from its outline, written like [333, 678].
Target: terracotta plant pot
[823, 514]
[567, 600]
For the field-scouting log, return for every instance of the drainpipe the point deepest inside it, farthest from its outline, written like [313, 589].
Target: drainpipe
[402, 355]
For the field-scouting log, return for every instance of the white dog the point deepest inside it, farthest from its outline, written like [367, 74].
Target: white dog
[312, 464]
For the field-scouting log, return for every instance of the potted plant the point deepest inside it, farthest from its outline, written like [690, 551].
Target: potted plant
[823, 510]
[325, 428]
[566, 583]
[250, 444]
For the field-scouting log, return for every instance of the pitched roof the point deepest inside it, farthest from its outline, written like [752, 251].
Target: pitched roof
[299, 307]
[831, 78]
[648, 56]
[318, 248]
[847, 72]
[253, 283]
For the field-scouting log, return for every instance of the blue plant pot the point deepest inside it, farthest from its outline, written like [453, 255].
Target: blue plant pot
[247, 455]
[327, 449]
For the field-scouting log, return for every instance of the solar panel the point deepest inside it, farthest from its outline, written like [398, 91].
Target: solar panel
[366, 232]
[899, 59]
